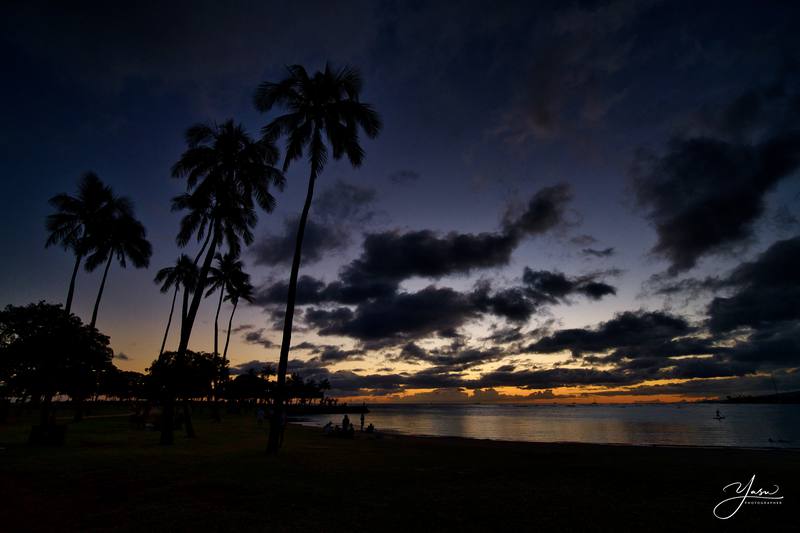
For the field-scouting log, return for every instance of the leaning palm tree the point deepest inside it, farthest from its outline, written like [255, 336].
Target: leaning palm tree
[242, 289]
[222, 277]
[122, 236]
[76, 220]
[227, 174]
[182, 274]
[323, 110]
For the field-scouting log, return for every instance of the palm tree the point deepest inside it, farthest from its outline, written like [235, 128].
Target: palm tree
[183, 274]
[227, 174]
[222, 277]
[242, 289]
[122, 236]
[323, 110]
[76, 220]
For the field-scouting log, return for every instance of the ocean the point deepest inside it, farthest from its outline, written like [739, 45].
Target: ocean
[642, 424]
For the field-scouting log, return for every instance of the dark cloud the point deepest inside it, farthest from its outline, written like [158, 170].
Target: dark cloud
[404, 176]
[372, 280]
[583, 240]
[395, 256]
[405, 315]
[391, 316]
[505, 335]
[328, 228]
[345, 202]
[766, 291]
[242, 327]
[544, 212]
[633, 333]
[257, 337]
[778, 346]
[704, 194]
[691, 288]
[554, 287]
[550, 378]
[456, 359]
[591, 252]
[732, 386]
[122, 356]
[318, 240]
[324, 319]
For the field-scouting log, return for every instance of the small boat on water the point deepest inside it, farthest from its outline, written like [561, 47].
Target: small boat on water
[719, 416]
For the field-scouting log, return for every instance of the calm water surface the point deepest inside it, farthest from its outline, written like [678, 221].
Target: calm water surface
[667, 424]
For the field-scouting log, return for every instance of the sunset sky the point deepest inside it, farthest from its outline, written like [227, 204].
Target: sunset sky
[569, 201]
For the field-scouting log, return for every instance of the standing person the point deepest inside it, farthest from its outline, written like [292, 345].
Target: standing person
[345, 423]
[362, 420]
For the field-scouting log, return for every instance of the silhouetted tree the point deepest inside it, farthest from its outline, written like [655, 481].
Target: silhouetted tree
[244, 290]
[187, 376]
[323, 110]
[228, 273]
[121, 236]
[122, 384]
[45, 352]
[227, 174]
[77, 220]
[183, 274]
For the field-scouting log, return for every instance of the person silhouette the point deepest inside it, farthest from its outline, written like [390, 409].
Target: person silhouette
[345, 423]
[362, 421]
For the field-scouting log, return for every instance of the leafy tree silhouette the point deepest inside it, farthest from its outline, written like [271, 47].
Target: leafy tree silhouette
[45, 352]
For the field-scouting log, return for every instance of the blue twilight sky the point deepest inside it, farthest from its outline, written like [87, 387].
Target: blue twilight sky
[483, 103]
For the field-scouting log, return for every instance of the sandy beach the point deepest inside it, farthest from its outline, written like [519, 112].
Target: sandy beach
[110, 476]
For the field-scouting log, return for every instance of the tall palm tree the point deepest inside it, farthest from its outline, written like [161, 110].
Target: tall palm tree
[76, 220]
[222, 277]
[227, 174]
[183, 274]
[122, 236]
[323, 111]
[242, 289]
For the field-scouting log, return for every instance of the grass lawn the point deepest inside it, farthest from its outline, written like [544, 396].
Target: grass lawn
[110, 476]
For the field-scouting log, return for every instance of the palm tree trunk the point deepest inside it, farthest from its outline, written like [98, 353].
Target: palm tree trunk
[100, 292]
[185, 305]
[216, 320]
[276, 425]
[200, 253]
[169, 320]
[167, 398]
[197, 297]
[228, 336]
[71, 291]
[186, 332]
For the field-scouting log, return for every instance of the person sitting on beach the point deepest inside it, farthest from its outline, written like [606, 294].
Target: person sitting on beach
[370, 428]
[328, 428]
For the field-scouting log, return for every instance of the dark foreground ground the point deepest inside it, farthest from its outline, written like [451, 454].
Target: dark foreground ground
[112, 477]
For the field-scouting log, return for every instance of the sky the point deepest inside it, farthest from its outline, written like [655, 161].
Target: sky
[569, 201]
